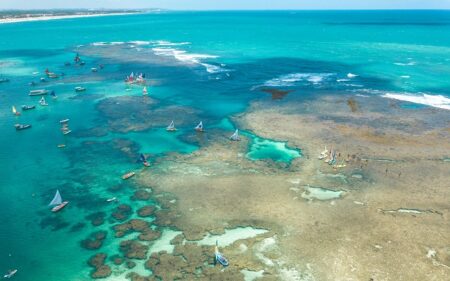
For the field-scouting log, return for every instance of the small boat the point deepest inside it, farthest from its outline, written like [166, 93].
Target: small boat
[218, 257]
[28, 107]
[113, 199]
[52, 75]
[144, 161]
[38, 92]
[94, 69]
[43, 102]
[323, 154]
[82, 63]
[10, 273]
[144, 91]
[43, 79]
[171, 127]
[53, 94]
[58, 202]
[64, 121]
[80, 89]
[67, 131]
[235, 136]
[20, 127]
[14, 111]
[61, 145]
[128, 175]
[199, 127]
[4, 80]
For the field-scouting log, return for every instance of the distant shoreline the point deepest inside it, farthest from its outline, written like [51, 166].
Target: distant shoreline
[45, 17]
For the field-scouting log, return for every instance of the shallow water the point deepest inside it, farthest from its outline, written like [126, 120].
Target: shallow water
[195, 61]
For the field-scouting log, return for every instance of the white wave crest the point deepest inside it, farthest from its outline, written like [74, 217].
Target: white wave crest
[437, 101]
[190, 58]
[291, 79]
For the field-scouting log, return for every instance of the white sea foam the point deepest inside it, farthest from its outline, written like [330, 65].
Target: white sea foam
[291, 79]
[405, 63]
[437, 101]
[168, 43]
[189, 58]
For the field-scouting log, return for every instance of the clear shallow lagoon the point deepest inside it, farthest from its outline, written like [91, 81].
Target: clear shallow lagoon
[195, 60]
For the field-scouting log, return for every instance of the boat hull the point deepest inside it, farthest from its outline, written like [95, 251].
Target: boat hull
[60, 206]
[128, 175]
[38, 93]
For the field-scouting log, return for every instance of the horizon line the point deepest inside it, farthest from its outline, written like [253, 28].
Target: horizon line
[223, 10]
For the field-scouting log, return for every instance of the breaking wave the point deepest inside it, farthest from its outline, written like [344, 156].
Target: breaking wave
[437, 101]
[289, 80]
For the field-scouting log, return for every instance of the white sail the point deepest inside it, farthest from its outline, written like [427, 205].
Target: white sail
[199, 126]
[235, 136]
[57, 200]
[171, 126]
[144, 91]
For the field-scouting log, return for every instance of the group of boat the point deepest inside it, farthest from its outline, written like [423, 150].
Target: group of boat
[330, 157]
[65, 126]
[135, 79]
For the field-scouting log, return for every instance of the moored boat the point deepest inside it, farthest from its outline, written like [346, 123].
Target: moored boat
[144, 161]
[61, 145]
[93, 69]
[235, 136]
[80, 89]
[43, 102]
[58, 202]
[113, 199]
[10, 273]
[144, 91]
[20, 127]
[171, 127]
[41, 92]
[218, 257]
[14, 111]
[199, 127]
[28, 107]
[128, 175]
[64, 121]
[53, 94]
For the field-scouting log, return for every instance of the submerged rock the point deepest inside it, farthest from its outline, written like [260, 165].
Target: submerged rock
[146, 211]
[94, 241]
[97, 218]
[101, 270]
[142, 195]
[122, 212]
[134, 225]
[133, 249]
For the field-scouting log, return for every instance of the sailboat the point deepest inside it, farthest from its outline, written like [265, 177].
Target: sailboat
[235, 136]
[53, 94]
[144, 91]
[199, 127]
[57, 200]
[171, 127]
[144, 161]
[14, 111]
[10, 273]
[218, 257]
[43, 102]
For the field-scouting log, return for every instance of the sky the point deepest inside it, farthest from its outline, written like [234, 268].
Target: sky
[227, 4]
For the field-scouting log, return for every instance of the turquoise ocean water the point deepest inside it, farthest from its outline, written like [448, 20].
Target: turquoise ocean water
[212, 64]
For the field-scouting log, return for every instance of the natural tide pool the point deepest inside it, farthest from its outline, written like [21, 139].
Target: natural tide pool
[267, 149]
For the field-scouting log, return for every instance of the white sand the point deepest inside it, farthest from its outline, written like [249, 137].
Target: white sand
[42, 18]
